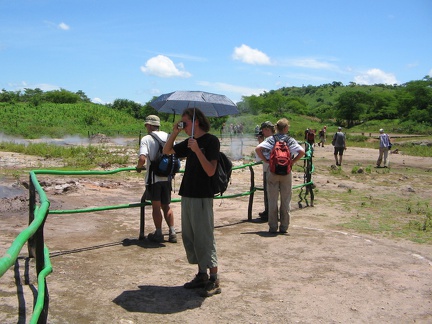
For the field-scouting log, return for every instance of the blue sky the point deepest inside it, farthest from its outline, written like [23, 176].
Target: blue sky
[137, 49]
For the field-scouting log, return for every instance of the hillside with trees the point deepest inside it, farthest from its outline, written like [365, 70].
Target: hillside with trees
[33, 113]
[409, 104]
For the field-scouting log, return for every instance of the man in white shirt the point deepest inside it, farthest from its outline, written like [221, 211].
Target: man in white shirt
[383, 149]
[158, 189]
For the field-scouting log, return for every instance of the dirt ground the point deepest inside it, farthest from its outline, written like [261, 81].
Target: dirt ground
[317, 273]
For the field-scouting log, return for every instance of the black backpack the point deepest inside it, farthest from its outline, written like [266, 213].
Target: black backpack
[165, 165]
[222, 176]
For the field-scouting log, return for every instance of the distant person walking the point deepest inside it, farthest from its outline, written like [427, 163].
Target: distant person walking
[222, 131]
[339, 143]
[322, 136]
[383, 149]
[311, 137]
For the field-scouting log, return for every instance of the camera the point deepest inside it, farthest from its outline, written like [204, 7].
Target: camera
[181, 125]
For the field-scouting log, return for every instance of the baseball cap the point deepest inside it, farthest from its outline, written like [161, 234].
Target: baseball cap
[339, 128]
[381, 130]
[152, 120]
[267, 124]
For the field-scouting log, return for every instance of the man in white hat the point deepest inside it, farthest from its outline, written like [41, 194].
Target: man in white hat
[383, 149]
[158, 189]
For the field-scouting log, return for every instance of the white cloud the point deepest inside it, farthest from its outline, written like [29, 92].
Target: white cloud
[187, 57]
[430, 73]
[225, 87]
[63, 26]
[250, 56]
[412, 65]
[311, 63]
[24, 85]
[163, 67]
[98, 101]
[375, 76]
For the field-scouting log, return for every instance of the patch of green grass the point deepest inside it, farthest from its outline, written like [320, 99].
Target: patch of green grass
[358, 169]
[391, 216]
[415, 149]
[405, 146]
[72, 156]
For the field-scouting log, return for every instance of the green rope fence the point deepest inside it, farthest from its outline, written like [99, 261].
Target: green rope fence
[33, 234]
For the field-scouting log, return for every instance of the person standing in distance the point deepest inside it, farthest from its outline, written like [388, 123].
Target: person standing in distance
[158, 189]
[201, 151]
[383, 149]
[339, 143]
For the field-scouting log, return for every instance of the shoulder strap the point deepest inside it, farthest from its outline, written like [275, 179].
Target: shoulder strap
[283, 137]
[161, 143]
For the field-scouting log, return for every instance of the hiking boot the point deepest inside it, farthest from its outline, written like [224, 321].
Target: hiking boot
[172, 238]
[212, 288]
[200, 281]
[153, 237]
[263, 215]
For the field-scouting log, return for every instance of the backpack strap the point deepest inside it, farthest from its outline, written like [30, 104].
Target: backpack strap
[284, 138]
[161, 144]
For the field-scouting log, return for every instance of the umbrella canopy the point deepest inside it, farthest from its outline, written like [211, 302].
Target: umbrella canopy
[212, 105]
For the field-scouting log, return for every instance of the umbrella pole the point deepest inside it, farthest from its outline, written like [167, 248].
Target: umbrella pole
[193, 123]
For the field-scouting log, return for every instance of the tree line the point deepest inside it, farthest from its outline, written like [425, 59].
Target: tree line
[348, 105]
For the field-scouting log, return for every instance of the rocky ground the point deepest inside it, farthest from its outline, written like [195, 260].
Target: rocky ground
[317, 273]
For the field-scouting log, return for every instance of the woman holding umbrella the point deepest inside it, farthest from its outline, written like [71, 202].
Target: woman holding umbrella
[202, 151]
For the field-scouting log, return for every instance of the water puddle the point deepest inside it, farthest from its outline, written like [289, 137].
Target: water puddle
[12, 191]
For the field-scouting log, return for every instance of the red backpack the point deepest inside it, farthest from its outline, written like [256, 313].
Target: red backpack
[280, 157]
